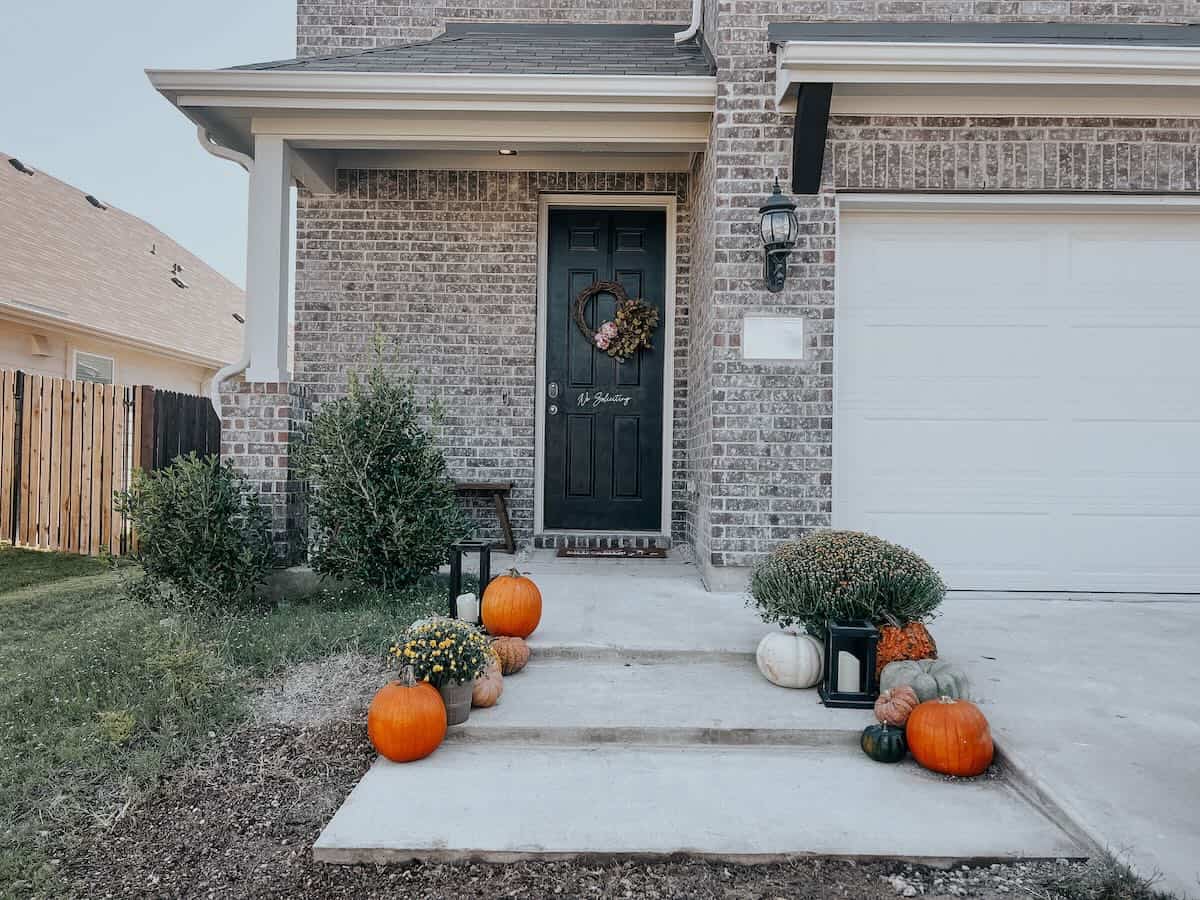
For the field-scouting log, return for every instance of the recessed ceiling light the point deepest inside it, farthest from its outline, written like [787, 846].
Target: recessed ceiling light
[507, 151]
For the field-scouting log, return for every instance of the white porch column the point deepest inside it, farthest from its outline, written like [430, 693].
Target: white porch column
[267, 261]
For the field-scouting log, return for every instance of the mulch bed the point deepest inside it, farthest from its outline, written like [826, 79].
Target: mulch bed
[241, 821]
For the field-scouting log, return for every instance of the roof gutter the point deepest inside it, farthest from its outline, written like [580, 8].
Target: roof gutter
[243, 361]
[694, 26]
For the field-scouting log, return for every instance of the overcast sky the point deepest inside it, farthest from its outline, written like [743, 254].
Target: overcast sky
[75, 102]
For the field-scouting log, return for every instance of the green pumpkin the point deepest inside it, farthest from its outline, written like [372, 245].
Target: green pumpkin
[930, 678]
[884, 744]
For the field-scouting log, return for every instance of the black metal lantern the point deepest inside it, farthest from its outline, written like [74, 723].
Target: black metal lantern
[484, 549]
[779, 228]
[849, 681]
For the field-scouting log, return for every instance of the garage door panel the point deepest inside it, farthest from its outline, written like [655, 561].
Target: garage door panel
[1016, 396]
[912, 447]
[926, 349]
[1118, 398]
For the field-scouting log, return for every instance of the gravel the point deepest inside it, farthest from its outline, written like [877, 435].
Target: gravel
[241, 820]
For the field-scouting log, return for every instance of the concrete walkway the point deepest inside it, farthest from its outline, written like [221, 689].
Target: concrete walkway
[642, 726]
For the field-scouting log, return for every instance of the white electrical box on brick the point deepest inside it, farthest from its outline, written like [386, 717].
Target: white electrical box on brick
[773, 337]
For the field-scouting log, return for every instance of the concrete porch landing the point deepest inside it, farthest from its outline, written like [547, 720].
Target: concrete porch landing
[641, 726]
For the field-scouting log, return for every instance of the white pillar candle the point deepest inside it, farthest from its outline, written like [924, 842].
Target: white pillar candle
[468, 608]
[848, 673]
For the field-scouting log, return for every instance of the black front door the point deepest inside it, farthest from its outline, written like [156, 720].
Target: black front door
[604, 419]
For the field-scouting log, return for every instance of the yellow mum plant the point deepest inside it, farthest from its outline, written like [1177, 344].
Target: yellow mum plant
[443, 651]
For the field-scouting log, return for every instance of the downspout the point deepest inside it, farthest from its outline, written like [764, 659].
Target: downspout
[234, 368]
[694, 26]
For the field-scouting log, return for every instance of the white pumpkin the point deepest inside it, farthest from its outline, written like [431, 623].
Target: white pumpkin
[790, 659]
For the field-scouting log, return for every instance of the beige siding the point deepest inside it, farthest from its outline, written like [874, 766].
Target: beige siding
[132, 366]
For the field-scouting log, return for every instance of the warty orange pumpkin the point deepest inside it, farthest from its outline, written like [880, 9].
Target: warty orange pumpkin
[512, 605]
[895, 706]
[512, 652]
[950, 736]
[488, 686]
[406, 720]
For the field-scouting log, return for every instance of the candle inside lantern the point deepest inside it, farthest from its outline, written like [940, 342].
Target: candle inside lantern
[468, 608]
[849, 673]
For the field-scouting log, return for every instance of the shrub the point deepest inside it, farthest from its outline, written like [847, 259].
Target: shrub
[382, 511]
[844, 575]
[201, 531]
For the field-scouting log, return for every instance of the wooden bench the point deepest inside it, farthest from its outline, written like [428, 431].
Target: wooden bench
[499, 491]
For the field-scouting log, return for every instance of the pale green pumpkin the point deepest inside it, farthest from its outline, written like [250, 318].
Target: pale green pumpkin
[930, 678]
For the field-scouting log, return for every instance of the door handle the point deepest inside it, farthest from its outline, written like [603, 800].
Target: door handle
[552, 390]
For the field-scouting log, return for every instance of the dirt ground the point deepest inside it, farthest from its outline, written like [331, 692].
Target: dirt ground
[241, 820]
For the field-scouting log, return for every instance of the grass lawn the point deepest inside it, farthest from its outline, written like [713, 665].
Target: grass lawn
[101, 695]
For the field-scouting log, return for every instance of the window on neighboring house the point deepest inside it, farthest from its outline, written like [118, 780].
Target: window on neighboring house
[90, 367]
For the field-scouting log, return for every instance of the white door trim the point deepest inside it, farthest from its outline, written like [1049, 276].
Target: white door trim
[546, 202]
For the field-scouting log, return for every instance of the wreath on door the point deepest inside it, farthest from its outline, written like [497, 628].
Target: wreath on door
[629, 330]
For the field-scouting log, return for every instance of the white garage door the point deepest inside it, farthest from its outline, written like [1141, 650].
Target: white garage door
[1018, 394]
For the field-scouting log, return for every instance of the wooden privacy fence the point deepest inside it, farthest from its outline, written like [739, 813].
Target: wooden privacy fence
[67, 446]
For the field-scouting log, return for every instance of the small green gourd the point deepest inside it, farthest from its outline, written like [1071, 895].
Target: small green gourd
[930, 678]
[884, 744]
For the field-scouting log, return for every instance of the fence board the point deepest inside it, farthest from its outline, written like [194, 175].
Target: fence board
[66, 460]
[8, 443]
[44, 517]
[53, 487]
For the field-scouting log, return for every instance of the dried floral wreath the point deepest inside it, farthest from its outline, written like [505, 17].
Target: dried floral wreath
[629, 331]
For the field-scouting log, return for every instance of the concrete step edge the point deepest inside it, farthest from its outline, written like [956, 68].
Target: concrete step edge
[636, 736]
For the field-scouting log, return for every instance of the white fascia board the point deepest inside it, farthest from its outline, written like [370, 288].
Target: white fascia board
[51, 321]
[396, 90]
[1054, 67]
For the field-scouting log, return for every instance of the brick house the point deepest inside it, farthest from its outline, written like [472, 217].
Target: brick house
[983, 343]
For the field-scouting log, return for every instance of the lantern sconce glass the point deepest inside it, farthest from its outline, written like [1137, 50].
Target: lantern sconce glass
[778, 228]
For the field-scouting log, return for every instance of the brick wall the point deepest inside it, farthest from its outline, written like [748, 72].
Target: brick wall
[332, 26]
[772, 427]
[444, 266]
[260, 425]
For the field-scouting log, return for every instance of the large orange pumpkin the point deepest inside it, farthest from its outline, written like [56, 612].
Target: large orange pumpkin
[406, 721]
[950, 736]
[512, 605]
[913, 641]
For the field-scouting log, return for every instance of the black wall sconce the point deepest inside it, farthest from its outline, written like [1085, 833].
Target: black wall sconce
[779, 228]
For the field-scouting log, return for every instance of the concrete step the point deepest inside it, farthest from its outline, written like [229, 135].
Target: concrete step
[648, 699]
[500, 801]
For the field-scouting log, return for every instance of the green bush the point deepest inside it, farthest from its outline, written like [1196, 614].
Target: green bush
[202, 532]
[382, 511]
[844, 575]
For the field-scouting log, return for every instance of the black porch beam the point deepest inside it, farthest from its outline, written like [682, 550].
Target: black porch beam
[808, 136]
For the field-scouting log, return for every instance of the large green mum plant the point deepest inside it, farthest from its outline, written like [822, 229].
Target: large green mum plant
[844, 575]
[382, 510]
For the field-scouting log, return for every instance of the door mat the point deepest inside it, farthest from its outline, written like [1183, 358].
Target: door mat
[612, 553]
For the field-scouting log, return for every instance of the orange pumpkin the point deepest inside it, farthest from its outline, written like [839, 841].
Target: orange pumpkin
[512, 605]
[406, 721]
[950, 736]
[913, 641]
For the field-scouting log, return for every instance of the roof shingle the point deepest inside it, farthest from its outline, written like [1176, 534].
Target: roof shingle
[523, 49]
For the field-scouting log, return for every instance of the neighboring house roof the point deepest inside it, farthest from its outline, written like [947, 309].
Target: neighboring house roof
[988, 32]
[524, 49]
[67, 261]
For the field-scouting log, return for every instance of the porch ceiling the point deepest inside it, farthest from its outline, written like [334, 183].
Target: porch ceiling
[618, 91]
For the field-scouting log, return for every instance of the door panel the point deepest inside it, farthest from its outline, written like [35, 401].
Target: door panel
[603, 460]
